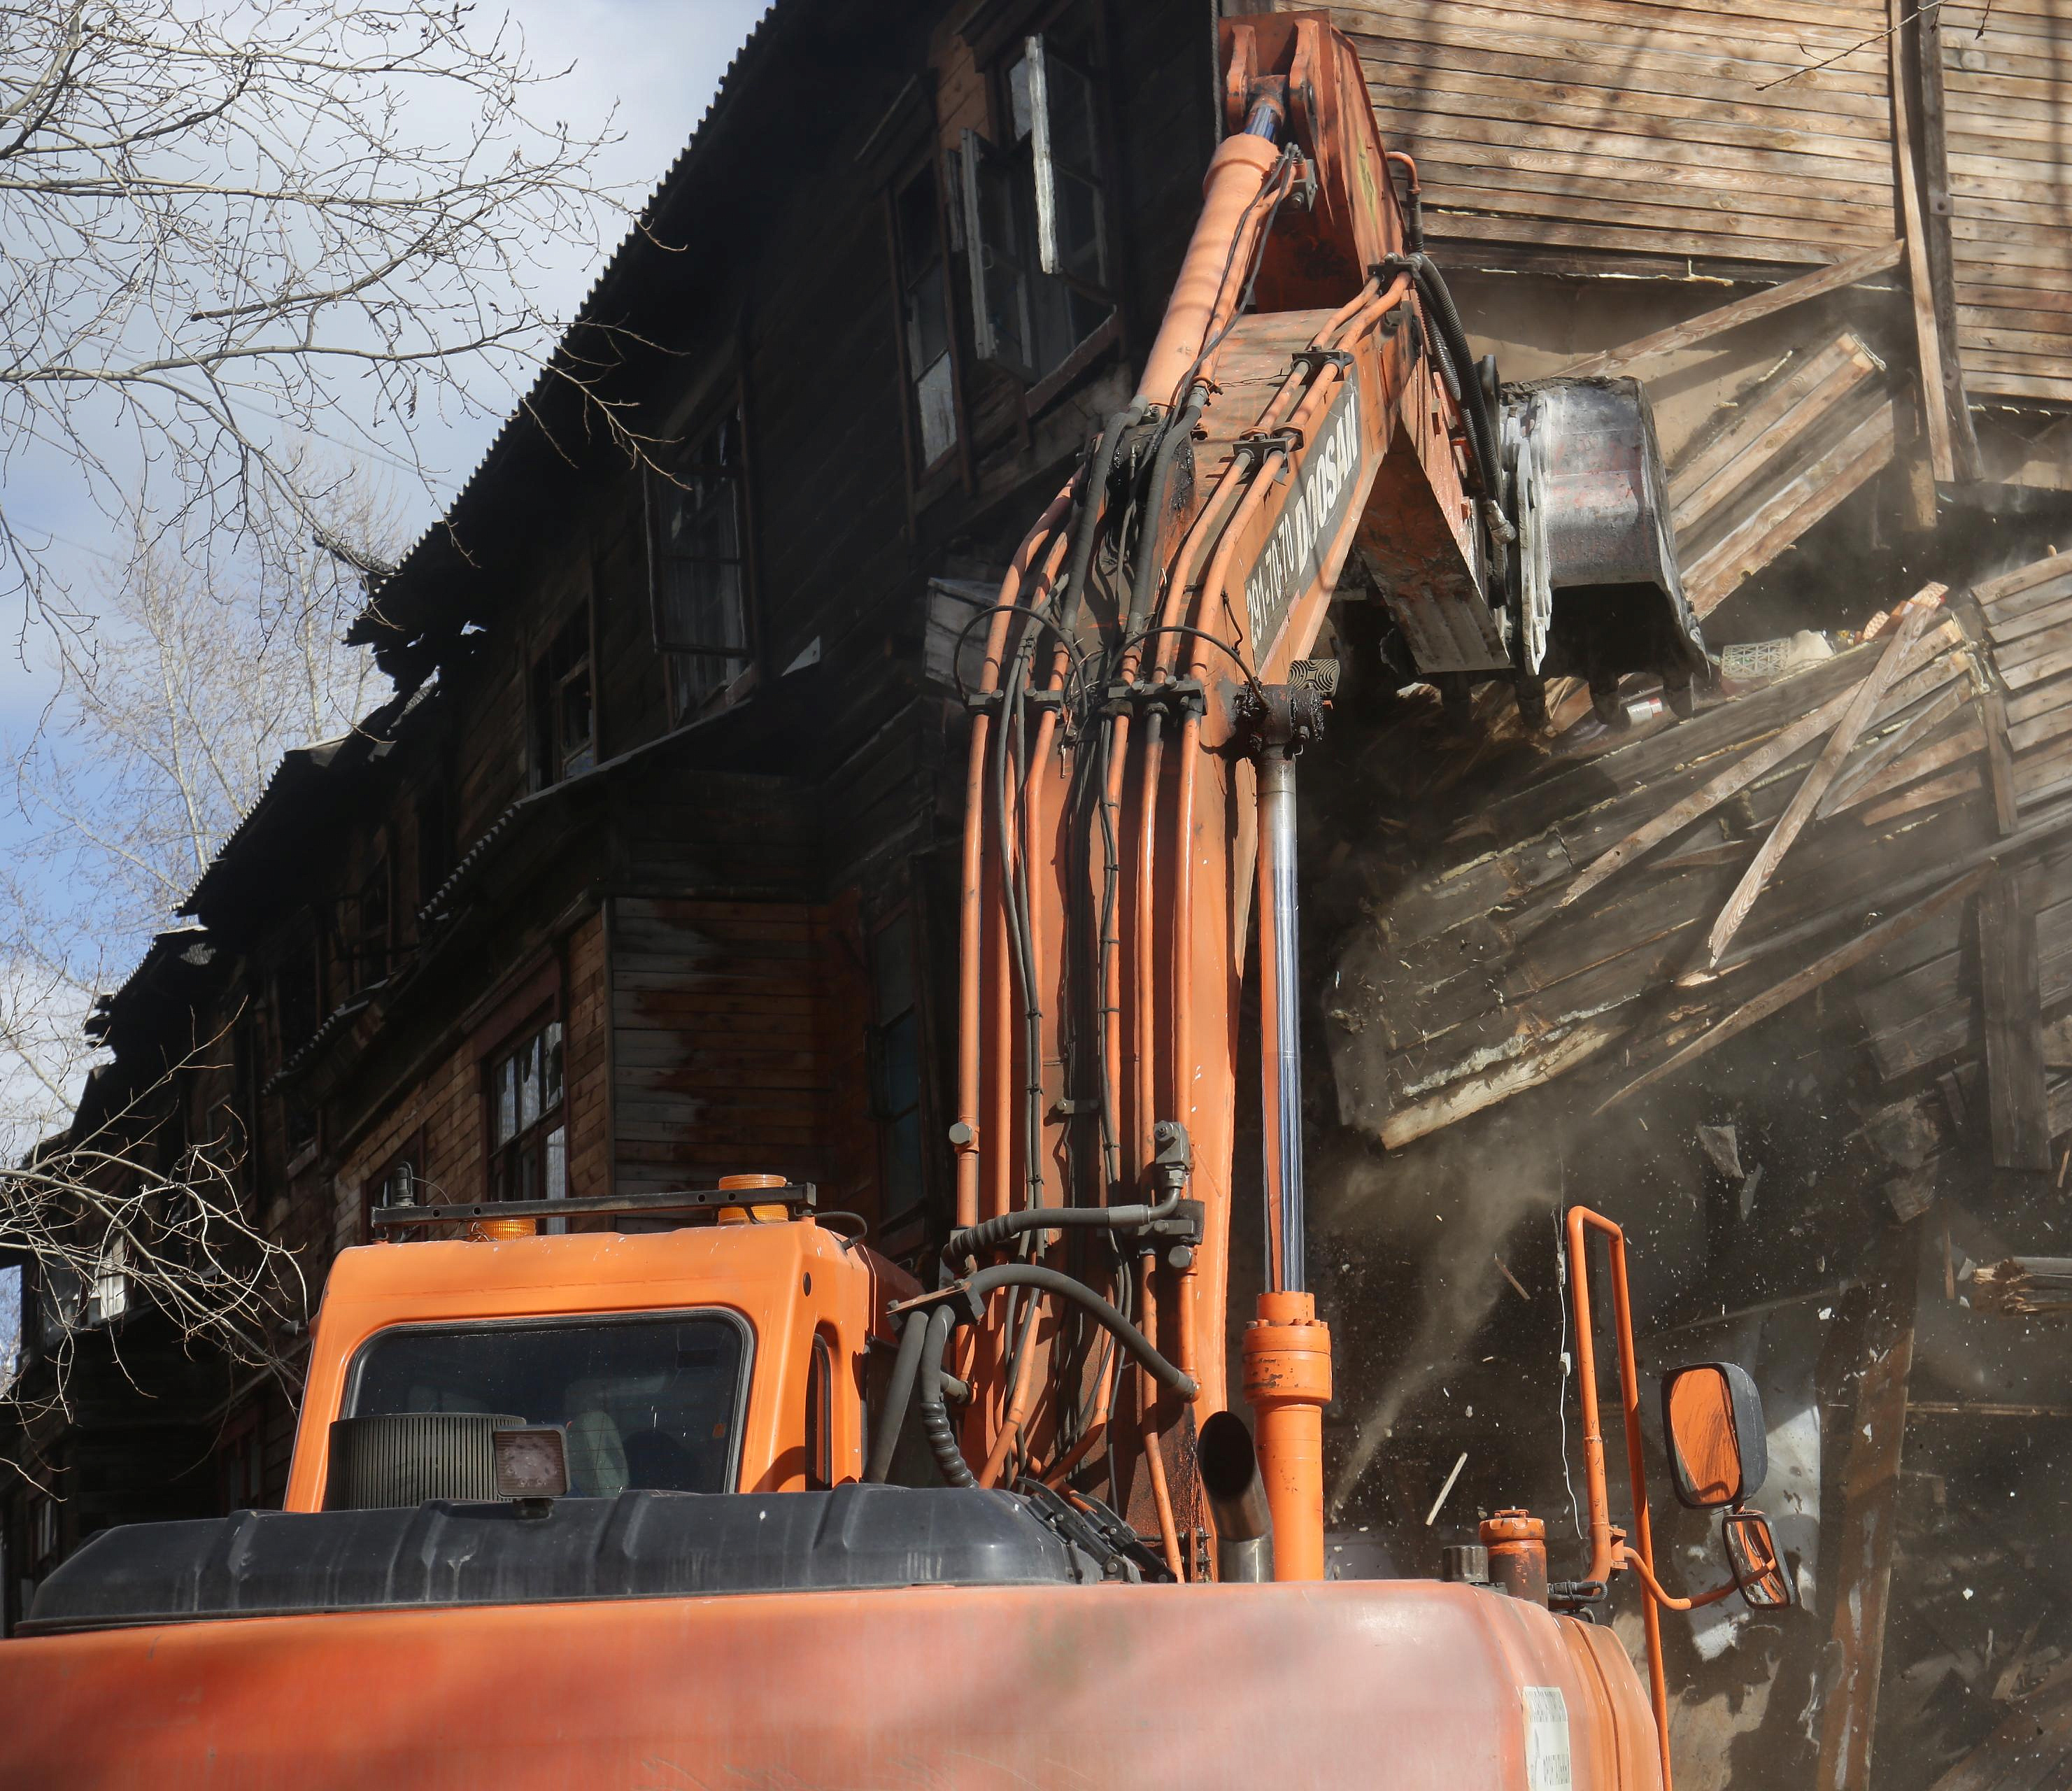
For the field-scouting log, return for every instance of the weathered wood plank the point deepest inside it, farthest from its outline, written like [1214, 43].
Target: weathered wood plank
[1790, 511]
[1924, 38]
[2017, 1102]
[1760, 426]
[1927, 332]
[1847, 273]
[1803, 982]
[1870, 1496]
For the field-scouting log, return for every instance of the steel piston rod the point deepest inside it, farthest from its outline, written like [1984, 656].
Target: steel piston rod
[1280, 1020]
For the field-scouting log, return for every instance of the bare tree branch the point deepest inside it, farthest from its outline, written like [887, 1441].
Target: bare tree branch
[233, 227]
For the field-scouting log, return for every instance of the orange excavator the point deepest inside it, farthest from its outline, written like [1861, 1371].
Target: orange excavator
[705, 1491]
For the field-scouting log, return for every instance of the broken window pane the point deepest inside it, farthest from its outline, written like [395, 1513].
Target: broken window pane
[700, 590]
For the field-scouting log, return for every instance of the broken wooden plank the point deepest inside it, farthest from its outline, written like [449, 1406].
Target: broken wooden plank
[2000, 756]
[1737, 777]
[1846, 273]
[1778, 749]
[1932, 146]
[2023, 1286]
[1895, 746]
[1804, 982]
[1762, 423]
[2017, 1102]
[1485, 1088]
[1870, 1496]
[1863, 705]
[1791, 511]
[1995, 592]
[1927, 333]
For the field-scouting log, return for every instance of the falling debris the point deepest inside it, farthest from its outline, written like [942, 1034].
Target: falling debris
[1443, 1490]
[2025, 1286]
[1720, 1145]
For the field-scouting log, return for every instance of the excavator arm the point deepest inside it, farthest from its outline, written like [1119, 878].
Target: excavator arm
[1311, 425]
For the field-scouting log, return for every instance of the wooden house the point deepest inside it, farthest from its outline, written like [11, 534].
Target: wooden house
[644, 873]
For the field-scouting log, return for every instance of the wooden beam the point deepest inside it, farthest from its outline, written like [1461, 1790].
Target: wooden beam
[1847, 273]
[2000, 756]
[1791, 511]
[1701, 802]
[1927, 335]
[1926, 43]
[1863, 705]
[1709, 795]
[2018, 1101]
[1862, 1570]
[1864, 945]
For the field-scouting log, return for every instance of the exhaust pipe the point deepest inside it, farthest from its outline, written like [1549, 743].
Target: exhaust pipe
[1229, 1469]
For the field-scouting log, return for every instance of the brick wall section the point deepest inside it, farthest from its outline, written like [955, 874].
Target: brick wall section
[446, 1106]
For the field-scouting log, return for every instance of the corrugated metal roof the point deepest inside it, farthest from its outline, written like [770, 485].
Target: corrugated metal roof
[372, 626]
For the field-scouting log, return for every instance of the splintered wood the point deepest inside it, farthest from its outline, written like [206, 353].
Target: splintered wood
[2023, 1286]
[1833, 830]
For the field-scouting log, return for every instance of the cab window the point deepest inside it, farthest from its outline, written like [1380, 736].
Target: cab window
[648, 1404]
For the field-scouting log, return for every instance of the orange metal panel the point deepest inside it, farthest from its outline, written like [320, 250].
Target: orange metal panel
[1419, 1687]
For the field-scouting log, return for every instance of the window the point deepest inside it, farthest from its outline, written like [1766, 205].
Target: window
[651, 1403]
[61, 1295]
[42, 1533]
[895, 1069]
[298, 995]
[564, 712]
[111, 1281]
[924, 300]
[699, 566]
[369, 944]
[1035, 220]
[529, 1155]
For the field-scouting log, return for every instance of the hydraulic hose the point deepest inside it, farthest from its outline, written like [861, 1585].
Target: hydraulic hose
[1054, 1281]
[1145, 581]
[934, 1412]
[1454, 339]
[1093, 498]
[941, 1433]
[898, 1395]
[989, 1234]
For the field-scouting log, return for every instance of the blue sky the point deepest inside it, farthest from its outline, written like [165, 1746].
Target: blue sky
[656, 61]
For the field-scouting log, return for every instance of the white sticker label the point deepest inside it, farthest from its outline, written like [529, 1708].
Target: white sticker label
[1546, 1739]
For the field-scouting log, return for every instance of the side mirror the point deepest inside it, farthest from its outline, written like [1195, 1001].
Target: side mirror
[1752, 1554]
[1718, 1447]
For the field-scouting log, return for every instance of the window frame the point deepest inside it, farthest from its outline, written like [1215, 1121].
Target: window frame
[729, 403]
[548, 682]
[923, 469]
[1023, 162]
[538, 1134]
[349, 1393]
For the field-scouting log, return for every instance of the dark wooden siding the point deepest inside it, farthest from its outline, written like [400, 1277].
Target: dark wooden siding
[728, 1045]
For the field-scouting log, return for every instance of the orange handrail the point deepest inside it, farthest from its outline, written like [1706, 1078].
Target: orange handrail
[1605, 1556]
